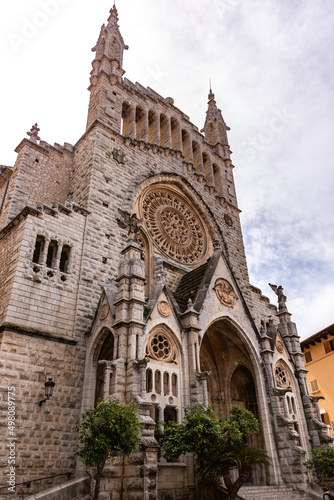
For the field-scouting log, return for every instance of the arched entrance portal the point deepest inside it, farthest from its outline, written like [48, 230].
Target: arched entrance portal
[232, 376]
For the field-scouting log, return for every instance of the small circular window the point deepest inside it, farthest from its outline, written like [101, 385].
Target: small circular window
[161, 348]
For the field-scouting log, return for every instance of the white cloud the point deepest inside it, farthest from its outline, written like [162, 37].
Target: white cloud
[265, 58]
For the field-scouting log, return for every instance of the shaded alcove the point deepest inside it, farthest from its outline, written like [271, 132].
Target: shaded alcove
[106, 354]
[232, 379]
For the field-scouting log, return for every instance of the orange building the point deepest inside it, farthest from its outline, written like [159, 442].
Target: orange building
[318, 353]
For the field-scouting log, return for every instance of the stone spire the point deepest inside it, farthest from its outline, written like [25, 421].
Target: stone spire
[109, 50]
[215, 128]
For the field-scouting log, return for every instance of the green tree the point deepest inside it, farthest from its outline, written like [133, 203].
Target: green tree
[219, 445]
[322, 463]
[110, 429]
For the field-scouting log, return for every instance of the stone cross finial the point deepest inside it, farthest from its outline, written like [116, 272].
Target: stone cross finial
[33, 134]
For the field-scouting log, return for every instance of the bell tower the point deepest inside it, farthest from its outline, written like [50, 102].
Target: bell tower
[107, 71]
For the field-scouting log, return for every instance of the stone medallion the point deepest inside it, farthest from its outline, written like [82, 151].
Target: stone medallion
[174, 225]
[225, 292]
[103, 311]
[163, 308]
[279, 345]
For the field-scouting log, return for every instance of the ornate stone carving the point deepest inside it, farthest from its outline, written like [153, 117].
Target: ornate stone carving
[279, 345]
[119, 156]
[225, 292]
[163, 308]
[161, 348]
[174, 226]
[103, 312]
[282, 376]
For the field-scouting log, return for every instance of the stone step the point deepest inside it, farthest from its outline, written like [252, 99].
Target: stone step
[272, 493]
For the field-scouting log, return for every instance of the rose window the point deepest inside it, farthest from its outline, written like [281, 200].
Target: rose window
[174, 226]
[161, 348]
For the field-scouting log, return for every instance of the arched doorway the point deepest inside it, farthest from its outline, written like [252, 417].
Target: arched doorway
[232, 379]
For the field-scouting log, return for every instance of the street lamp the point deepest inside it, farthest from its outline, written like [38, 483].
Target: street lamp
[49, 385]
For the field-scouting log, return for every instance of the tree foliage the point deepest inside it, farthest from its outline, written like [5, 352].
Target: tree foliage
[322, 462]
[110, 429]
[218, 444]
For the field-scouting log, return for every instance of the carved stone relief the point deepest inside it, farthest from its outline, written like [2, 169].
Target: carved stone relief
[225, 292]
[163, 308]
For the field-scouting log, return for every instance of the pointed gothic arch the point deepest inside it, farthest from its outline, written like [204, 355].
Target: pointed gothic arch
[232, 377]
[104, 368]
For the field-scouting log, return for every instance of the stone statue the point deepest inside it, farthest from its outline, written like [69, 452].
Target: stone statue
[133, 227]
[281, 297]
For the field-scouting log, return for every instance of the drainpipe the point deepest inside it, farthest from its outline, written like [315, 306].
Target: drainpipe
[5, 191]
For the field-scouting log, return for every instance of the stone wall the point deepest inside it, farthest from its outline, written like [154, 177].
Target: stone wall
[9, 254]
[42, 297]
[41, 174]
[45, 436]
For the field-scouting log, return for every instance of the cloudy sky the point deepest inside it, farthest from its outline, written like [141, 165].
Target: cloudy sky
[271, 63]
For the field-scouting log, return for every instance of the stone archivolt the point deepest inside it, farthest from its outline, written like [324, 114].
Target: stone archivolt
[174, 225]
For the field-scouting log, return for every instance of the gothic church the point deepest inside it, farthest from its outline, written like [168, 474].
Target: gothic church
[123, 274]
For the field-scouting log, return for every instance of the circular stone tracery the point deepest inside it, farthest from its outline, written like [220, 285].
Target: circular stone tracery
[282, 377]
[161, 348]
[174, 225]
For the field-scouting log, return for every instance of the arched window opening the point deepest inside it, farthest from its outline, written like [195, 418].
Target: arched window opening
[197, 155]
[153, 128]
[174, 385]
[157, 382]
[127, 124]
[176, 134]
[186, 146]
[166, 383]
[170, 414]
[293, 404]
[52, 253]
[149, 381]
[38, 251]
[165, 132]
[243, 390]
[155, 413]
[64, 258]
[104, 373]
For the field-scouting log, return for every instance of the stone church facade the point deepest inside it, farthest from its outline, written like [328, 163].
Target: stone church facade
[123, 274]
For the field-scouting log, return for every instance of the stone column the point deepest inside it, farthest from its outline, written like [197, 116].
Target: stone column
[129, 123]
[187, 148]
[57, 258]
[189, 321]
[142, 127]
[208, 171]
